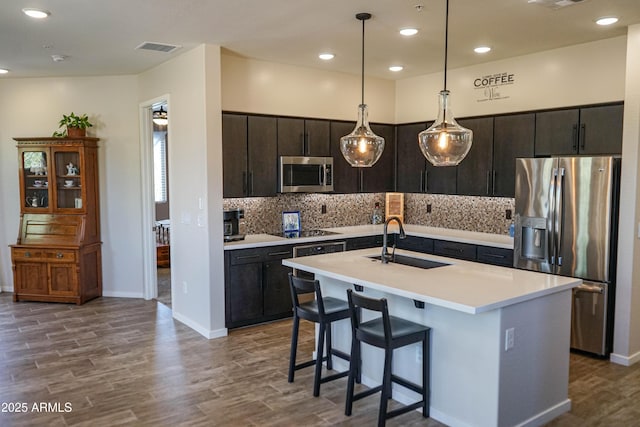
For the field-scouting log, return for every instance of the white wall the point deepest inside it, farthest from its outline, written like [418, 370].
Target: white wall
[192, 81]
[255, 86]
[626, 341]
[33, 107]
[576, 75]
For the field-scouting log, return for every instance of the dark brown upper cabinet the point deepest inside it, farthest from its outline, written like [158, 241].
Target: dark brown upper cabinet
[513, 137]
[414, 173]
[249, 153]
[303, 137]
[475, 172]
[345, 178]
[588, 130]
[380, 177]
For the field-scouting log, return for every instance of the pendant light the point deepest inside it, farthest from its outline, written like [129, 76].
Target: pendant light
[362, 148]
[160, 117]
[445, 143]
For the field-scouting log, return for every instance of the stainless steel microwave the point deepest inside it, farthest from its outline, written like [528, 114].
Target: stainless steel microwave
[300, 174]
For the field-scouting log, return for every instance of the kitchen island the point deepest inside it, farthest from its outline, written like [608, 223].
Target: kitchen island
[499, 340]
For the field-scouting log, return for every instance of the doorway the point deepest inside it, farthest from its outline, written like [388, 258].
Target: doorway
[162, 220]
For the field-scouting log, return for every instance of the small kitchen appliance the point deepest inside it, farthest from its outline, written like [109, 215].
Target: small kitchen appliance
[305, 174]
[232, 219]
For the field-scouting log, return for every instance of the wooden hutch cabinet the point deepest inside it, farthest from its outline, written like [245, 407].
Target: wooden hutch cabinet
[57, 257]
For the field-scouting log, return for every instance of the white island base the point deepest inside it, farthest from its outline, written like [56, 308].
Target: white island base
[475, 379]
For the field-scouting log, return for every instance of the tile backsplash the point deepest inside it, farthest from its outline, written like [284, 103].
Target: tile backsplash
[482, 214]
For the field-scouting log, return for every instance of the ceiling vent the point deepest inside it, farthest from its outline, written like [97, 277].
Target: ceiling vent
[158, 47]
[556, 4]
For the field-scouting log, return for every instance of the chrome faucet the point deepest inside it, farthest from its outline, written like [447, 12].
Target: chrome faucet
[386, 256]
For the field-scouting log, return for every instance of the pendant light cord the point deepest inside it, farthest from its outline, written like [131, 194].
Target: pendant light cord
[362, 69]
[446, 43]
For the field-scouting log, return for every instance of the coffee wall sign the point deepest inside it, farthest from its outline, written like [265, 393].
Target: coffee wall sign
[492, 87]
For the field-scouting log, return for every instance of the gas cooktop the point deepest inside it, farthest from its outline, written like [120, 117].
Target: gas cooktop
[304, 233]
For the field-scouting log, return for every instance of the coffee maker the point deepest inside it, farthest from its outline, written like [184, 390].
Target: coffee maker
[231, 219]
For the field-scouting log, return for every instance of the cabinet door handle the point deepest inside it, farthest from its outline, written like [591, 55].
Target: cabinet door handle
[59, 255]
[493, 182]
[247, 257]
[244, 183]
[583, 131]
[452, 249]
[303, 140]
[280, 253]
[495, 256]
[574, 137]
[426, 181]
[488, 182]
[27, 254]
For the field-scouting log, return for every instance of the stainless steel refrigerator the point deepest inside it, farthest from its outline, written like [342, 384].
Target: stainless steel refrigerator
[566, 215]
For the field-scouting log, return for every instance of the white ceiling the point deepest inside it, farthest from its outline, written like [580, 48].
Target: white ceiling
[100, 37]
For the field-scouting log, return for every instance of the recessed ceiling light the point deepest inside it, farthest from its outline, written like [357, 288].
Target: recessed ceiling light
[3, 71]
[482, 49]
[396, 68]
[607, 20]
[409, 31]
[326, 56]
[36, 13]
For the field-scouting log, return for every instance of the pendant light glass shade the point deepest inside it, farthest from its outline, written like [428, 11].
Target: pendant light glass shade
[445, 143]
[362, 148]
[160, 117]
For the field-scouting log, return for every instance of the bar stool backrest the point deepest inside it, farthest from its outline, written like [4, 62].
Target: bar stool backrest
[358, 302]
[301, 286]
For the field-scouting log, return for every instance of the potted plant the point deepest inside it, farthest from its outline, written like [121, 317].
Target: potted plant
[75, 126]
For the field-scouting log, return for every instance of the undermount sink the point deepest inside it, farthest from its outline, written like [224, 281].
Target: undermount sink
[412, 262]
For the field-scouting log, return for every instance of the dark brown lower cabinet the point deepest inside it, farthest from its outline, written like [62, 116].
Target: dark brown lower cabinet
[257, 285]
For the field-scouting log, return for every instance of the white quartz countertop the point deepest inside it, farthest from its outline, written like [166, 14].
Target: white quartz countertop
[463, 286]
[472, 237]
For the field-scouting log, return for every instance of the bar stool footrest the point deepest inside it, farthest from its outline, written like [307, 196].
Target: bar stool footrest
[405, 409]
[366, 393]
[341, 354]
[334, 376]
[408, 384]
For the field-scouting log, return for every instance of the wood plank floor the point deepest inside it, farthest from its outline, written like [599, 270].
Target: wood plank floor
[119, 361]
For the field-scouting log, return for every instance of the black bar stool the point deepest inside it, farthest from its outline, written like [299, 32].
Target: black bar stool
[386, 332]
[322, 311]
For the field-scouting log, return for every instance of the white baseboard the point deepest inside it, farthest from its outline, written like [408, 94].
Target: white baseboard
[117, 294]
[207, 333]
[625, 360]
[549, 414]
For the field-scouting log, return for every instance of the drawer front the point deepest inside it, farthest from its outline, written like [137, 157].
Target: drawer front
[25, 255]
[49, 255]
[246, 256]
[356, 243]
[269, 253]
[495, 256]
[455, 250]
[416, 244]
[60, 255]
[277, 252]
